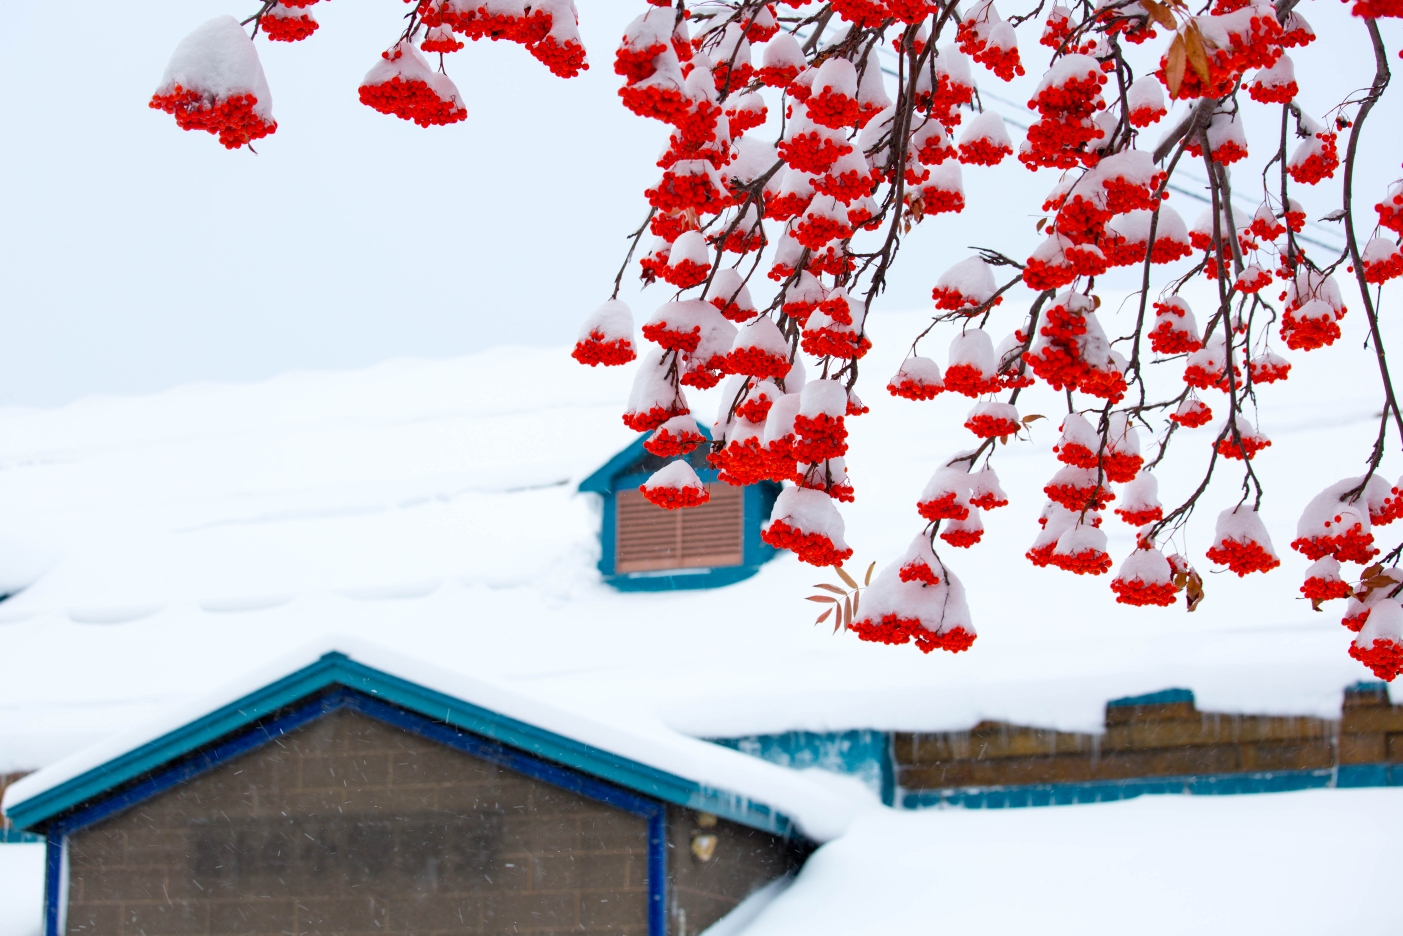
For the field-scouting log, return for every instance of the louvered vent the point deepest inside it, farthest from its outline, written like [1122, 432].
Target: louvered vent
[651, 539]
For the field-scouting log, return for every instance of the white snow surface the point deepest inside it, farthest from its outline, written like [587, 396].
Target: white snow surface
[1317, 861]
[21, 890]
[171, 542]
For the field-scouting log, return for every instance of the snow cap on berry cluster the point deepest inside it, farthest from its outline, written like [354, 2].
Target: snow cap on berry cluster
[606, 337]
[214, 82]
[1082, 549]
[1379, 645]
[933, 617]
[806, 522]
[985, 492]
[919, 562]
[1145, 578]
[1241, 542]
[1079, 443]
[972, 369]
[918, 378]
[1331, 526]
[968, 283]
[946, 494]
[1140, 501]
[674, 486]
[217, 60]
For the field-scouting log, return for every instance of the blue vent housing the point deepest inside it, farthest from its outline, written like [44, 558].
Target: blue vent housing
[632, 467]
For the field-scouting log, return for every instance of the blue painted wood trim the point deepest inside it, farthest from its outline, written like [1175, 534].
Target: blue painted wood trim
[1163, 697]
[652, 811]
[862, 753]
[657, 873]
[682, 581]
[337, 669]
[1102, 791]
[16, 837]
[1369, 775]
[53, 882]
[759, 501]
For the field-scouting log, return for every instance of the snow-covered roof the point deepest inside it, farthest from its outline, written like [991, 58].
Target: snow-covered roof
[647, 758]
[172, 541]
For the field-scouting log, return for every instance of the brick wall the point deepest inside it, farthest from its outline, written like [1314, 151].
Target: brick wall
[700, 892]
[350, 826]
[1157, 740]
[5, 780]
[1371, 728]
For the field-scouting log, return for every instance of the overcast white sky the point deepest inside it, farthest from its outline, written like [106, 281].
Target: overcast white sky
[134, 256]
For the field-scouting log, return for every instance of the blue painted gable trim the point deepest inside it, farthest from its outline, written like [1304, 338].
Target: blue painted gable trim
[651, 810]
[605, 480]
[336, 669]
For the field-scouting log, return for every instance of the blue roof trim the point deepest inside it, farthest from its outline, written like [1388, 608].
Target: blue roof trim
[1163, 697]
[602, 481]
[1108, 791]
[337, 669]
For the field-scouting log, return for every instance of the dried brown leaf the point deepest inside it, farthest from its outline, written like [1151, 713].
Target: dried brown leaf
[1193, 594]
[833, 588]
[1042, 222]
[847, 613]
[851, 582]
[824, 616]
[823, 598]
[867, 579]
[1198, 55]
[1160, 14]
[1175, 62]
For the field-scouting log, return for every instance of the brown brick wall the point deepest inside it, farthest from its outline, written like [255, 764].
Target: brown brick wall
[1371, 728]
[351, 826]
[1139, 741]
[5, 780]
[744, 860]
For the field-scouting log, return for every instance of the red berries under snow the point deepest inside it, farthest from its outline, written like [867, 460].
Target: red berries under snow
[992, 419]
[1145, 578]
[819, 425]
[918, 378]
[678, 436]
[1379, 645]
[806, 523]
[966, 285]
[1140, 501]
[1332, 527]
[215, 83]
[403, 84]
[1241, 542]
[675, 486]
[286, 22]
[1175, 331]
[606, 337]
[898, 609]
